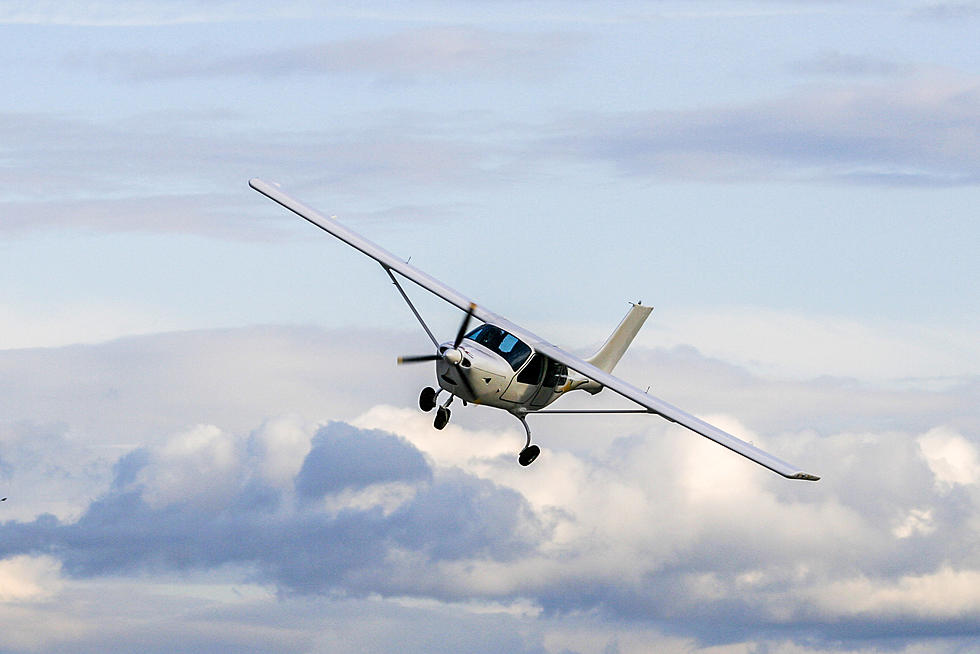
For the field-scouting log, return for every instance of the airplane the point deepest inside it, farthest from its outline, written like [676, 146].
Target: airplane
[502, 365]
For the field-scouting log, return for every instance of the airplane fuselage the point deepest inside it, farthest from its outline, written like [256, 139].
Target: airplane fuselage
[502, 372]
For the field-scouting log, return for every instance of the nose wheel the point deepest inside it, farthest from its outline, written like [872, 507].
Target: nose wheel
[427, 402]
[442, 417]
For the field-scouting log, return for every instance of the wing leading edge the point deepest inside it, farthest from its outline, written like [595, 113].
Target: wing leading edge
[615, 384]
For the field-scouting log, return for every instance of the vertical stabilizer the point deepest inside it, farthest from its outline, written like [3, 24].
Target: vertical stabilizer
[615, 346]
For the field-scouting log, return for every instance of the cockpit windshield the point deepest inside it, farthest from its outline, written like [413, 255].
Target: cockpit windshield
[503, 343]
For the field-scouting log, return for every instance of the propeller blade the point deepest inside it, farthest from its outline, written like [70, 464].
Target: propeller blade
[466, 323]
[419, 358]
[466, 381]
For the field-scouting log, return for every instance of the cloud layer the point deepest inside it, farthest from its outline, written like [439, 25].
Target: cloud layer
[649, 527]
[918, 131]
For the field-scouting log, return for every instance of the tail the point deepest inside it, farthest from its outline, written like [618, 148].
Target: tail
[615, 346]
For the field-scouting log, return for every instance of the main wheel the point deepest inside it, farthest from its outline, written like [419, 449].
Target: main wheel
[528, 455]
[427, 399]
[442, 417]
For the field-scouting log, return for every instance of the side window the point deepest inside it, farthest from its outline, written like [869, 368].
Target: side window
[532, 371]
[517, 356]
[556, 375]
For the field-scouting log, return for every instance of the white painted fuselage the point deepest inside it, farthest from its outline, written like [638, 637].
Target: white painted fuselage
[502, 371]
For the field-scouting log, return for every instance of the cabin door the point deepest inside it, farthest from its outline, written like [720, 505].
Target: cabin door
[527, 381]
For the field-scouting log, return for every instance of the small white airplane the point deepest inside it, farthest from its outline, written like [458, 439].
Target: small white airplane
[502, 365]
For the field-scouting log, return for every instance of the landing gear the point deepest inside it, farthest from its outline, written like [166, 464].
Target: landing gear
[530, 452]
[427, 399]
[427, 402]
[528, 455]
[443, 413]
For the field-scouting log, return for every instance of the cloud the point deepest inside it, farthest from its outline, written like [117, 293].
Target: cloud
[650, 518]
[793, 344]
[455, 52]
[952, 458]
[343, 458]
[200, 464]
[48, 468]
[281, 445]
[648, 533]
[839, 64]
[28, 578]
[946, 594]
[185, 174]
[197, 500]
[130, 13]
[947, 11]
[918, 131]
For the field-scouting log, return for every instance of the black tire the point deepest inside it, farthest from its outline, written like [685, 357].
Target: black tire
[442, 417]
[528, 455]
[427, 399]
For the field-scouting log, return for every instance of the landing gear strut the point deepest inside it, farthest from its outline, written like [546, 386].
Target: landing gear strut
[427, 402]
[530, 452]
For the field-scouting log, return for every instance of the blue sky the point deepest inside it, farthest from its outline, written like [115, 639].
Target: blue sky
[792, 185]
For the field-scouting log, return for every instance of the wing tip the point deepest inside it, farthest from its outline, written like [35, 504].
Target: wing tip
[805, 476]
[260, 184]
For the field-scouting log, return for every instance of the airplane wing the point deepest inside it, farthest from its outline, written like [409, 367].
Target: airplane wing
[613, 383]
[376, 252]
[672, 413]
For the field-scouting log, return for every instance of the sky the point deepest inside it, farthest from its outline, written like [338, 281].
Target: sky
[204, 440]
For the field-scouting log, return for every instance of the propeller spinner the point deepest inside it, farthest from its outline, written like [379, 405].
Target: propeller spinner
[452, 356]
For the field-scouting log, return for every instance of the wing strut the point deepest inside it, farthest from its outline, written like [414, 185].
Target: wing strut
[553, 411]
[411, 306]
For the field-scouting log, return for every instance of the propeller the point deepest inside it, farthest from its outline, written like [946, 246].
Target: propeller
[418, 358]
[452, 356]
[463, 325]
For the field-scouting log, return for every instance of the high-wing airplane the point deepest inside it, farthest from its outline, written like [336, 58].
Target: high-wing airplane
[502, 365]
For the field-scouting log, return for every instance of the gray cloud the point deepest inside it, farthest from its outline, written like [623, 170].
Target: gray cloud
[457, 517]
[135, 13]
[186, 174]
[454, 516]
[414, 55]
[947, 11]
[344, 458]
[131, 617]
[840, 64]
[918, 132]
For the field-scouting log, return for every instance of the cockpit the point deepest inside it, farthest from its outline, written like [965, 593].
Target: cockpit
[511, 348]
